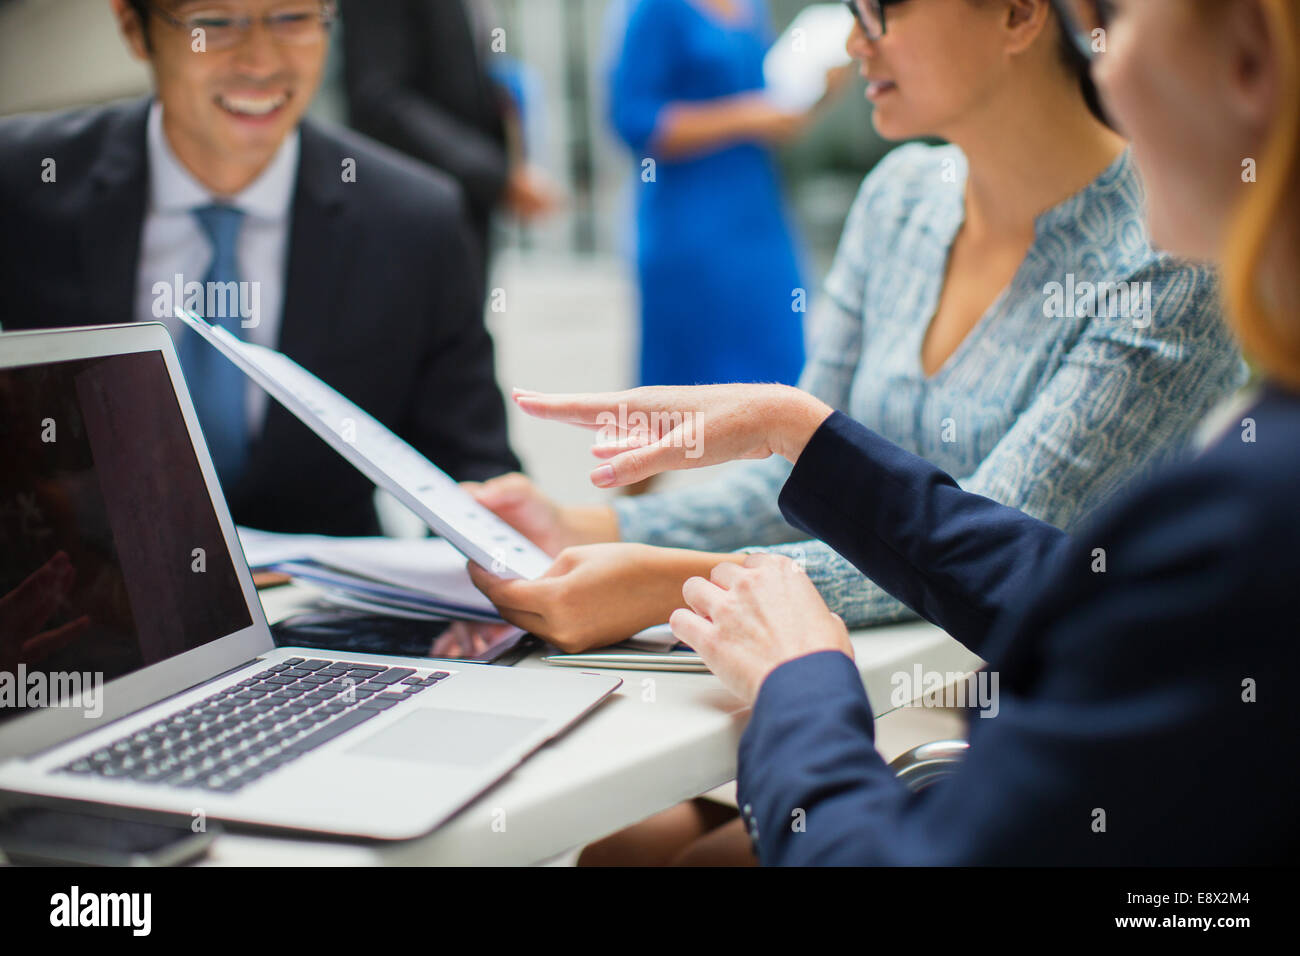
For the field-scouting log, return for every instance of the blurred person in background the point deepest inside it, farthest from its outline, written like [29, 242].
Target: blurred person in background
[937, 329]
[717, 268]
[353, 260]
[419, 77]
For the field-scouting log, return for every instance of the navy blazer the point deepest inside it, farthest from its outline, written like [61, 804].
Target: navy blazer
[1143, 713]
[381, 298]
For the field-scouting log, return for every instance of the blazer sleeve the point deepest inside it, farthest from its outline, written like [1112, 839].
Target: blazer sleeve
[1129, 701]
[456, 415]
[381, 56]
[957, 559]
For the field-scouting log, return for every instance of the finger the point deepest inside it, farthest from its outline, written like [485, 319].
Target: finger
[703, 597]
[446, 646]
[629, 467]
[502, 490]
[515, 593]
[594, 409]
[529, 621]
[451, 641]
[624, 442]
[764, 559]
[726, 574]
[689, 628]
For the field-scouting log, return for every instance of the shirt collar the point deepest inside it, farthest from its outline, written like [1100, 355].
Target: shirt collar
[173, 188]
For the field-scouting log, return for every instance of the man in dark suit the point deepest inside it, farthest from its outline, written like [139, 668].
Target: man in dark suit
[417, 76]
[352, 260]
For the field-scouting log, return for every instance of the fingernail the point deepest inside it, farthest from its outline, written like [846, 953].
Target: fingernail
[603, 476]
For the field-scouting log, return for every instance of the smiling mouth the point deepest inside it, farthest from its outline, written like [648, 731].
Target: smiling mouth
[253, 106]
[879, 87]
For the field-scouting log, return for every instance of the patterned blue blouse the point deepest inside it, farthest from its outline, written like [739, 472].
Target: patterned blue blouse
[1066, 388]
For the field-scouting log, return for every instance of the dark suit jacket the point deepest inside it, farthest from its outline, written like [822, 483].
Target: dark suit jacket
[416, 81]
[1157, 692]
[379, 298]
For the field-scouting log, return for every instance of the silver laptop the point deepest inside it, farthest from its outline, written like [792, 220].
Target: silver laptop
[136, 664]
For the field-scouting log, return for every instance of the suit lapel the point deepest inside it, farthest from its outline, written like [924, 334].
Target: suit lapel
[111, 227]
[316, 239]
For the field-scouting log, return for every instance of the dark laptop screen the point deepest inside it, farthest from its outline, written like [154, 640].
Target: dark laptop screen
[111, 555]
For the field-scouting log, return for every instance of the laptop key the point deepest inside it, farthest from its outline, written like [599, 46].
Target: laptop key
[393, 675]
[331, 730]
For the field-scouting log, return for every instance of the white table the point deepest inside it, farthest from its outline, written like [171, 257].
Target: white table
[662, 738]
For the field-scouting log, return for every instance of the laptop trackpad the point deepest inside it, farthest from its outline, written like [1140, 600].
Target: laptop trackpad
[460, 737]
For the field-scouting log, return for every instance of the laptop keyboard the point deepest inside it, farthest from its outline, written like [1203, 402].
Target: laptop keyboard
[240, 734]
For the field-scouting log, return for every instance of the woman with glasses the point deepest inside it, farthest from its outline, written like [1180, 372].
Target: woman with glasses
[1145, 661]
[995, 306]
[963, 318]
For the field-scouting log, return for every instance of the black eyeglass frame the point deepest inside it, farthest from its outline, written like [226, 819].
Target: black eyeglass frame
[328, 14]
[880, 5]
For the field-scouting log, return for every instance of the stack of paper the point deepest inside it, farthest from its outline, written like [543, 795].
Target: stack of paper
[423, 578]
[420, 578]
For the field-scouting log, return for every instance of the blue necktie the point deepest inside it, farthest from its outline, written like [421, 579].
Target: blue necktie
[216, 384]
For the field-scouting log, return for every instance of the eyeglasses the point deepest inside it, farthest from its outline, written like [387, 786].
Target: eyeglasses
[1083, 19]
[220, 28]
[870, 15]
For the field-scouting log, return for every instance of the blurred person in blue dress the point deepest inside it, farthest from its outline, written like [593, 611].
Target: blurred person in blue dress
[721, 285]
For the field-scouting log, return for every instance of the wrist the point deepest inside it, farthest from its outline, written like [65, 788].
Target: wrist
[753, 117]
[589, 525]
[798, 416]
[680, 564]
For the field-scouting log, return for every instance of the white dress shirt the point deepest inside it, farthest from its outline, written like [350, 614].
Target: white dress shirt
[173, 244]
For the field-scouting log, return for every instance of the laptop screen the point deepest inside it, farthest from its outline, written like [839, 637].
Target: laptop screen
[111, 554]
